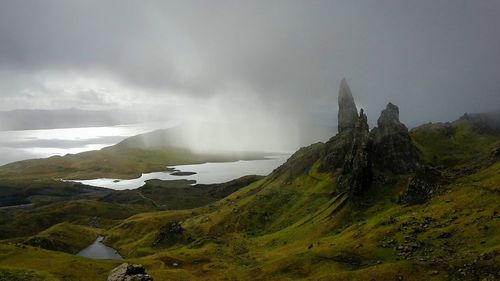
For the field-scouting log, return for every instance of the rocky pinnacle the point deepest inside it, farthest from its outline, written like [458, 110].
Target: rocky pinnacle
[348, 113]
[393, 149]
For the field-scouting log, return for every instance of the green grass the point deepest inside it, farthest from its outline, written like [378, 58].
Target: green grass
[288, 226]
[64, 237]
[454, 145]
[8, 274]
[29, 221]
[52, 265]
[111, 162]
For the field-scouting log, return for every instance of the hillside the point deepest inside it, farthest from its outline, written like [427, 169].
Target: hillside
[380, 204]
[39, 180]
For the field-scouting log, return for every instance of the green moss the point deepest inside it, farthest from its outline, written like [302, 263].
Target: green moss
[8, 274]
[454, 145]
[64, 237]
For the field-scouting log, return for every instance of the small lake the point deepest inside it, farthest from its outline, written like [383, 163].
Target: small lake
[206, 173]
[98, 250]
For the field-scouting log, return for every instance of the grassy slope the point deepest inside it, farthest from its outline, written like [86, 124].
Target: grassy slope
[52, 265]
[178, 194]
[64, 237]
[110, 162]
[288, 227]
[29, 221]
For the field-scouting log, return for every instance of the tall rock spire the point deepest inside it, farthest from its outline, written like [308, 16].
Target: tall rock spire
[348, 113]
[356, 174]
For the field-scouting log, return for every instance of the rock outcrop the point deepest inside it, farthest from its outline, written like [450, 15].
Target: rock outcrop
[169, 234]
[495, 154]
[422, 186]
[355, 153]
[393, 149]
[348, 113]
[337, 149]
[129, 272]
[356, 173]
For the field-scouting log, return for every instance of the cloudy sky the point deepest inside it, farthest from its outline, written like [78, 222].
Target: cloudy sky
[436, 59]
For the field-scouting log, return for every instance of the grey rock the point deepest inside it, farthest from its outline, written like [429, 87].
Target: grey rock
[129, 272]
[348, 113]
[393, 149]
[495, 154]
[169, 234]
[356, 172]
[423, 185]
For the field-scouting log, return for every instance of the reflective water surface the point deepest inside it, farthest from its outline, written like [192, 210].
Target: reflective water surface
[206, 173]
[98, 250]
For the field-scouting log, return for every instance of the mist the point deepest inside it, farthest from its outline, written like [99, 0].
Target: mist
[266, 72]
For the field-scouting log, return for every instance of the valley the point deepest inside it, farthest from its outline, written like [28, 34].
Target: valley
[380, 204]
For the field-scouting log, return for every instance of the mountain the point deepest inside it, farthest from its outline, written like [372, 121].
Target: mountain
[379, 204]
[36, 119]
[26, 119]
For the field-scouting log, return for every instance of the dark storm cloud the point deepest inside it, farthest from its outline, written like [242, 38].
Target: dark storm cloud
[435, 59]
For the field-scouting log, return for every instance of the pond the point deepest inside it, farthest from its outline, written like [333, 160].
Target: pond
[97, 250]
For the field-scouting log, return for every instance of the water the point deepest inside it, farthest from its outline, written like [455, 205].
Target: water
[97, 250]
[206, 173]
[29, 144]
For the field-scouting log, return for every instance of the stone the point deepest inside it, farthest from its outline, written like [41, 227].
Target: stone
[129, 272]
[495, 154]
[393, 149]
[169, 234]
[348, 113]
[444, 235]
[356, 172]
[423, 185]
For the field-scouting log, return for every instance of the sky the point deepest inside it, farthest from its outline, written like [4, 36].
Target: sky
[271, 61]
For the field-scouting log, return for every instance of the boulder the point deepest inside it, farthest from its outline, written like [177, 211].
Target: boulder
[129, 272]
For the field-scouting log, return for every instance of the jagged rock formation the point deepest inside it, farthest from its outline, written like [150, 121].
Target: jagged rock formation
[356, 172]
[129, 272]
[340, 145]
[393, 149]
[356, 152]
[348, 113]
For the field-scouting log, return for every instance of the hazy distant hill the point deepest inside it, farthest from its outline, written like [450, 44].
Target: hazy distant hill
[52, 119]
[32, 119]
